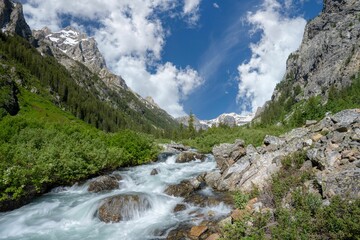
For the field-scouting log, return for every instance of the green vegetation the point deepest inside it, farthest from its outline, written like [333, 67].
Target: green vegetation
[205, 140]
[77, 92]
[43, 146]
[293, 114]
[299, 213]
[240, 200]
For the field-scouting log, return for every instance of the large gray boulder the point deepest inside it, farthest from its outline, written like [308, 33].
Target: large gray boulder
[184, 188]
[227, 154]
[123, 207]
[104, 183]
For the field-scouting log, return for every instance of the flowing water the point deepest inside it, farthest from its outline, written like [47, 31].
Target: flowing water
[70, 213]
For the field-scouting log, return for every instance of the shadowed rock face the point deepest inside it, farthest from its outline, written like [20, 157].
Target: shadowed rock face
[330, 52]
[9, 101]
[12, 19]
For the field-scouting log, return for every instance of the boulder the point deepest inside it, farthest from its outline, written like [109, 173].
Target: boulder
[272, 140]
[123, 207]
[346, 117]
[345, 183]
[310, 122]
[189, 156]
[104, 183]
[183, 189]
[197, 231]
[179, 207]
[227, 154]
[214, 236]
[154, 172]
[316, 137]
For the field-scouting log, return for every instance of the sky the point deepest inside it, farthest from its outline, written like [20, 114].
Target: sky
[205, 57]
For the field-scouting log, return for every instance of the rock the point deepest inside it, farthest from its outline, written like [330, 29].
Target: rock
[238, 214]
[345, 183]
[122, 207]
[346, 117]
[197, 231]
[295, 133]
[212, 179]
[175, 148]
[12, 19]
[183, 189]
[214, 236]
[154, 172]
[162, 157]
[104, 183]
[316, 137]
[179, 207]
[310, 122]
[227, 154]
[189, 156]
[272, 140]
[9, 100]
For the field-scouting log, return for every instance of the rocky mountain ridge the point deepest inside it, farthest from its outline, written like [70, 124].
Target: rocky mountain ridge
[79, 47]
[329, 55]
[12, 19]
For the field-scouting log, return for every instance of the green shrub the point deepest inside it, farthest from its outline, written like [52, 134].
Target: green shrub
[240, 199]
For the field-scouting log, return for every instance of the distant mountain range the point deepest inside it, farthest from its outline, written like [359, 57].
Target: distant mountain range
[228, 119]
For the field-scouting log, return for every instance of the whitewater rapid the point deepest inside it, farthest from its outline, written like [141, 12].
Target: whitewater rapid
[69, 213]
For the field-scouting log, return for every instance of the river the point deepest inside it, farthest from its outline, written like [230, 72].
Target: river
[69, 213]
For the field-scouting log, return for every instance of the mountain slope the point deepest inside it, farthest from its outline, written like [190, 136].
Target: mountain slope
[327, 62]
[91, 93]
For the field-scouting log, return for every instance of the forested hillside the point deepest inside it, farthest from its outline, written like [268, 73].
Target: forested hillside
[79, 95]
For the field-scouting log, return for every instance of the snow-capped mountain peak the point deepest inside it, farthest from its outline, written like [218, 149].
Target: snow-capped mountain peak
[230, 119]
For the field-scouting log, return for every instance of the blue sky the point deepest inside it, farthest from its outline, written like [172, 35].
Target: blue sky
[208, 57]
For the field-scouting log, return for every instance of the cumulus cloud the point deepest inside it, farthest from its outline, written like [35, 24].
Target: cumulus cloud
[131, 36]
[215, 5]
[280, 35]
[191, 10]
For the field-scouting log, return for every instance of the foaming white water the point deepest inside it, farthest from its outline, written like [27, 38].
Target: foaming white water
[70, 213]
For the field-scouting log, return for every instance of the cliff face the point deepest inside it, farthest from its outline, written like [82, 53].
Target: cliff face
[330, 51]
[70, 43]
[12, 19]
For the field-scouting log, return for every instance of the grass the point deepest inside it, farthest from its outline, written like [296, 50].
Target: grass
[44, 146]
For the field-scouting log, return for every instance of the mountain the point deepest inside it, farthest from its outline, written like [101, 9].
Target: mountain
[79, 47]
[327, 61]
[12, 19]
[229, 119]
[69, 69]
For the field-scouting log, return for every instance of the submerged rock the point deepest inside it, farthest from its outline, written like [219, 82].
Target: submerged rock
[154, 172]
[189, 156]
[123, 207]
[104, 183]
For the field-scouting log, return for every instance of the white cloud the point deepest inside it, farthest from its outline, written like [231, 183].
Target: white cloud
[280, 35]
[215, 5]
[191, 9]
[131, 36]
